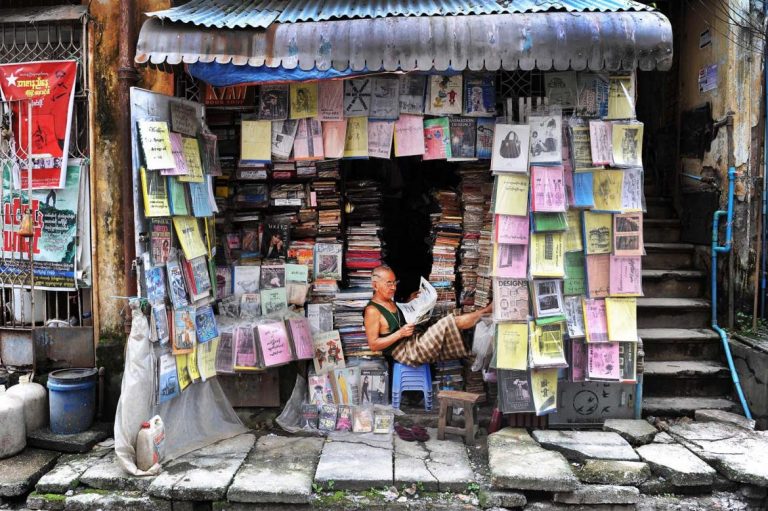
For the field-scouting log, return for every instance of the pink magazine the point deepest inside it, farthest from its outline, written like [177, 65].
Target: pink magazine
[302, 338]
[512, 230]
[604, 361]
[511, 261]
[547, 189]
[595, 320]
[274, 343]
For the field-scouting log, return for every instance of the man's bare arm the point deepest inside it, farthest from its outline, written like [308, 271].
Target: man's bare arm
[376, 342]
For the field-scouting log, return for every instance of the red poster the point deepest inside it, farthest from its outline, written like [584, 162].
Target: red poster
[49, 88]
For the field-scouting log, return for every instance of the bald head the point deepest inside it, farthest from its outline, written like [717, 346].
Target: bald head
[382, 272]
[383, 283]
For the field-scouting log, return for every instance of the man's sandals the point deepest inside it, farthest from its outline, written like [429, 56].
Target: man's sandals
[416, 433]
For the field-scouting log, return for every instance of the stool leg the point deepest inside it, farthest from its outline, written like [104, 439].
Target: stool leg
[469, 424]
[441, 420]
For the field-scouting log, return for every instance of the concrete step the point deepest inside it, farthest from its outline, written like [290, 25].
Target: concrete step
[691, 378]
[677, 283]
[673, 313]
[659, 207]
[670, 256]
[680, 344]
[684, 406]
[661, 230]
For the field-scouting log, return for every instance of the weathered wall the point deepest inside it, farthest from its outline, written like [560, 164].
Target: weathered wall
[738, 55]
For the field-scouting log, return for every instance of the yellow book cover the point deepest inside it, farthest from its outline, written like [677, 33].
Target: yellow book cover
[607, 185]
[621, 98]
[206, 358]
[544, 387]
[547, 257]
[191, 152]
[574, 234]
[356, 142]
[627, 139]
[511, 194]
[156, 145]
[598, 232]
[190, 238]
[303, 100]
[256, 141]
[512, 346]
[194, 374]
[154, 192]
[621, 314]
[181, 371]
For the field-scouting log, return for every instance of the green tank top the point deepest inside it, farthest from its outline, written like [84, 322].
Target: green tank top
[394, 321]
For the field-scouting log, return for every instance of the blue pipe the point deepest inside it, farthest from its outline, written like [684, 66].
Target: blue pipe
[716, 248]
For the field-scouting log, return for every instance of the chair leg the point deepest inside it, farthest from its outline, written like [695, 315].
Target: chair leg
[469, 424]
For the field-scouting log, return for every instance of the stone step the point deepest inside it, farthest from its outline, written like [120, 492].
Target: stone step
[659, 207]
[685, 378]
[680, 344]
[671, 256]
[661, 230]
[684, 406]
[673, 313]
[677, 283]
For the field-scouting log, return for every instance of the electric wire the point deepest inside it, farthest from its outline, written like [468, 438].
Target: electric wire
[726, 36]
[729, 22]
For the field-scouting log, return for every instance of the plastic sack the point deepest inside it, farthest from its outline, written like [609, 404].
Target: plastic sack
[482, 344]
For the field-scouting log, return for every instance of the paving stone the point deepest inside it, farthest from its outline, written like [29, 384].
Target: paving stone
[677, 464]
[636, 432]
[599, 494]
[19, 473]
[440, 465]
[47, 502]
[66, 474]
[722, 483]
[204, 474]
[663, 438]
[108, 475]
[505, 499]
[115, 502]
[751, 491]
[725, 418]
[517, 462]
[555, 506]
[583, 445]
[355, 464]
[717, 501]
[625, 473]
[737, 453]
[279, 469]
[79, 443]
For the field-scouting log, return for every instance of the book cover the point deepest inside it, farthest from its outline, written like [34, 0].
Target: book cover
[561, 88]
[385, 98]
[197, 277]
[272, 276]
[320, 316]
[184, 333]
[598, 280]
[177, 197]
[362, 419]
[607, 187]
[621, 93]
[581, 146]
[273, 301]
[205, 324]
[275, 240]
[346, 382]
[160, 323]
[344, 419]
[583, 190]
[411, 97]
[167, 379]
[334, 138]
[409, 135]
[155, 194]
[180, 163]
[182, 373]
[356, 141]
[512, 230]
[547, 254]
[154, 279]
[510, 261]
[595, 322]
[463, 132]
[383, 422]
[328, 354]
[485, 134]
[510, 299]
[301, 337]
[250, 305]
[626, 276]
[575, 282]
[510, 196]
[373, 386]
[308, 143]
[437, 139]
[621, 318]
[574, 233]
[357, 97]
[544, 385]
[177, 288]
[603, 361]
[328, 260]
[628, 234]
[274, 343]
[480, 95]
[515, 394]
[627, 144]
[255, 141]
[445, 95]
[328, 413]
[206, 358]
[309, 416]
[574, 316]
[380, 138]
[156, 145]
[601, 142]
[510, 148]
[598, 232]
[579, 361]
[547, 189]
[246, 279]
[512, 346]
[283, 133]
[632, 190]
[546, 141]
[273, 102]
[548, 298]
[160, 240]
[189, 236]
[303, 98]
[320, 389]
[225, 353]
[628, 362]
[190, 149]
[330, 105]
[245, 356]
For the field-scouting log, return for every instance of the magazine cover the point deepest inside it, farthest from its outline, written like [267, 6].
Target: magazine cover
[328, 354]
[411, 97]
[485, 133]
[274, 344]
[346, 382]
[205, 324]
[385, 98]
[382, 422]
[160, 240]
[176, 286]
[245, 355]
[437, 139]
[344, 419]
[160, 323]
[328, 414]
[245, 279]
[184, 332]
[515, 394]
[357, 97]
[250, 305]
[445, 95]
[373, 386]
[273, 301]
[167, 380]
[155, 282]
[272, 276]
[275, 240]
[320, 389]
[301, 337]
[273, 102]
[463, 132]
[480, 95]
[328, 260]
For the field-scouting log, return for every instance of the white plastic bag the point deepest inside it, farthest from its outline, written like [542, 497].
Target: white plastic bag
[482, 344]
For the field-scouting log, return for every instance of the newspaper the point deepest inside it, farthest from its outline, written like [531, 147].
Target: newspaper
[420, 308]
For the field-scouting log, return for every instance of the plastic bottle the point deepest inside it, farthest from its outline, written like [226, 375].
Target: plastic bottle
[148, 443]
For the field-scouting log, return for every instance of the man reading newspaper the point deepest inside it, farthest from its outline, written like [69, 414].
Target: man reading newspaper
[389, 327]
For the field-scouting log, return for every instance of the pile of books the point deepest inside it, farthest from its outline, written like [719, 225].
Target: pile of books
[484, 286]
[364, 247]
[348, 306]
[473, 381]
[446, 233]
[327, 198]
[476, 189]
[447, 375]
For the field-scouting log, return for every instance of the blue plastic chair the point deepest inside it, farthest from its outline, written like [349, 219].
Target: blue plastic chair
[411, 378]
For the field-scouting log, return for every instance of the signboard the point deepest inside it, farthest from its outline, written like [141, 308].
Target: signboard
[49, 87]
[591, 403]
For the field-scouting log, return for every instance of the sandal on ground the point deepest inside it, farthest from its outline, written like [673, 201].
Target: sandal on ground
[405, 434]
[420, 433]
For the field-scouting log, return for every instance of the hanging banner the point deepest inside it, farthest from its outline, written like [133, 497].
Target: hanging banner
[54, 243]
[50, 89]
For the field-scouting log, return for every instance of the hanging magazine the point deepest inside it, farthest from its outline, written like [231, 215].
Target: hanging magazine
[444, 95]
[357, 97]
[547, 255]
[510, 261]
[628, 234]
[156, 145]
[167, 379]
[515, 394]
[245, 355]
[330, 100]
[511, 350]
[547, 189]
[385, 94]
[626, 276]
[546, 139]
[480, 95]
[301, 337]
[205, 325]
[411, 97]
[437, 139]
[621, 317]
[511, 195]
[579, 361]
[510, 298]
[598, 280]
[574, 316]
[485, 134]
[547, 298]
[544, 385]
[463, 132]
[595, 321]
[303, 98]
[409, 135]
[607, 188]
[274, 344]
[511, 230]
[603, 361]
[510, 148]
[273, 102]
[598, 234]
[548, 346]
[283, 134]
[328, 353]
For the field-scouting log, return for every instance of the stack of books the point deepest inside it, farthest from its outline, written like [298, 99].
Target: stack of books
[484, 286]
[327, 197]
[446, 233]
[348, 306]
[364, 247]
[447, 375]
[476, 190]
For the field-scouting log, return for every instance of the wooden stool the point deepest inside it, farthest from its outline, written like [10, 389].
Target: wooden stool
[450, 399]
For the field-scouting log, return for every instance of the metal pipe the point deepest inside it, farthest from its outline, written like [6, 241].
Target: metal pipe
[717, 248]
[127, 77]
[765, 174]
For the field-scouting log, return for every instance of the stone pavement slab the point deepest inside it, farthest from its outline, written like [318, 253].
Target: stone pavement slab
[107, 475]
[636, 432]
[663, 438]
[583, 445]
[66, 474]
[18, 474]
[677, 464]
[116, 502]
[737, 453]
[204, 474]
[599, 494]
[278, 470]
[724, 417]
[355, 462]
[44, 438]
[625, 473]
[439, 465]
[555, 506]
[517, 462]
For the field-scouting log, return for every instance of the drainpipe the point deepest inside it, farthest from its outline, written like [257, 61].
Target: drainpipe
[764, 211]
[127, 76]
[717, 248]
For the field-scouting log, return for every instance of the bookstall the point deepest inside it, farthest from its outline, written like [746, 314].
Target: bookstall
[260, 223]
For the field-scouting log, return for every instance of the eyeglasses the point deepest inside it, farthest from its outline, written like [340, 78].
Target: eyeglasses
[390, 283]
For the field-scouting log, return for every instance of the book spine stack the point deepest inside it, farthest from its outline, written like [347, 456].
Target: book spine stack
[476, 188]
[446, 233]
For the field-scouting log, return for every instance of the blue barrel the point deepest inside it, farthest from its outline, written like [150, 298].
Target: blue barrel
[72, 400]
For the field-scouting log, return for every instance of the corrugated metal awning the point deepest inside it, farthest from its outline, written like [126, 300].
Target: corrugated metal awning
[610, 41]
[43, 14]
